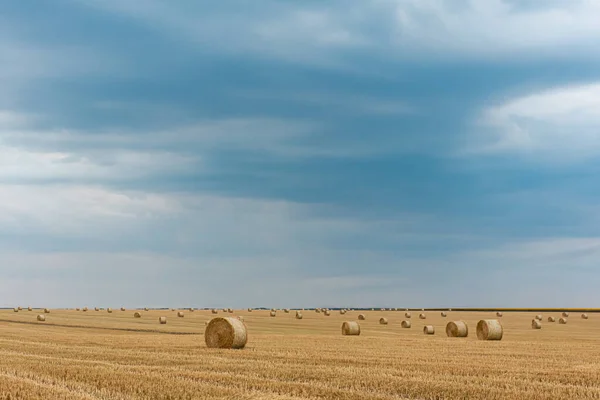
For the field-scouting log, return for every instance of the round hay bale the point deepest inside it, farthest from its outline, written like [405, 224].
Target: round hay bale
[489, 329]
[20, 308]
[499, 314]
[383, 321]
[538, 317]
[457, 329]
[342, 312]
[536, 324]
[77, 309]
[422, 316]
[15, 309]
[41, 317]
[109, 310]
[272, 313]
[230, 310]
[565, 314]
[361, 317]
[407, 314]
[562, 321]
[327, 313]
[180, 314]
[405, 324]
[272, 309]
[85, 309]
[286, 310]
[215, 311]
[350, 328]
[551, 319]
[317, 310]
[137, 315]
[443, 314]
[96, 309]
[225, 333]
[191, 309]
[146, 309]
[429, 330]
[162, 320]
[249, 310]
[298, 315]
[122, 308]
[46, 311]
[584, 316]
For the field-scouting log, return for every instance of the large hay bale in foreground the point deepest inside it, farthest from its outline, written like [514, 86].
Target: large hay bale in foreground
[457, 329]
[562, 321]
[162, 320]
[407, 314]
[383, 321]
[361, 317]
[429, 330]
[536, 324]
[272, 313]
[350, 328]
[422, 316]
[538, 317]
[46, 310]
[137, 315]
[298, 315]
[489, 329]
[565, 314]
[41, 317]
[226, 333]
[405, 324]
[499, 314]
[180, 314]
[443, 314]
[551, 319]
[584, 316]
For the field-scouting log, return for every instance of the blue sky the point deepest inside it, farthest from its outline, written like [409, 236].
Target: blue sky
[403, 153]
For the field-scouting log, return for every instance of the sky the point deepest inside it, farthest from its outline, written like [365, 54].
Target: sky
[342, 153]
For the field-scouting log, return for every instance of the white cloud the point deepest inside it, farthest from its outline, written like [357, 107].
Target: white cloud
[554, 125]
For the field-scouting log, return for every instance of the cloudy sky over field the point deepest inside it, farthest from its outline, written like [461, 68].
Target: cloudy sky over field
[401, 153]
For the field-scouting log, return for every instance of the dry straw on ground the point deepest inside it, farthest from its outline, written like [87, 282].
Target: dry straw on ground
[162, 320]
[226, 333]
[180, 314]
[383, 321]
[350, 328]
[361, 317]
[41, 317]
[428, 330]
[489, 329]
[562, 321]
[137, 315]
[457, 329]
[536, 324]
[405, 324]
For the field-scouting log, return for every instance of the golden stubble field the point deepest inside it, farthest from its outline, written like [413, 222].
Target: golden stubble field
[97, 355]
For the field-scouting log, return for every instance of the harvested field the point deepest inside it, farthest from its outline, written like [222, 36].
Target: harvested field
[116, 356]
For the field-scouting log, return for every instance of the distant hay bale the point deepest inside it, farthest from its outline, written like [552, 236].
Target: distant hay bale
[180, 314]
[405, 324]
[361, 317]
[146, 309]
[137, 315]
[551, 319]
[457, 329]
[536, 324]
[41, 317]
[382, 309]
[443, 314]
[77, 309]
[272, 309]
[109, 310]
[350, 328]
[226, 333]
[15, 309]
[298, 315]
[272, 313]
[215, 311]
[565, 314]
[342, 312]
[499, 314]
[286, 310]
[191, 309]
[407, 314]
[429, 330]
[47, 311]
[249, 310]
[122, 308]
[96, 309]
[489, 329]
[584, 316]
[383, 321]
[230, 310]
[172, 309]
[562, 321]
[538, 317]
[85, 309]
[317, 310]
[422, 316]
[20, 308]
[327, 313]
[162, 320]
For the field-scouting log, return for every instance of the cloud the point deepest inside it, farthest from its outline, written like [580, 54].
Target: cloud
[559, 124]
